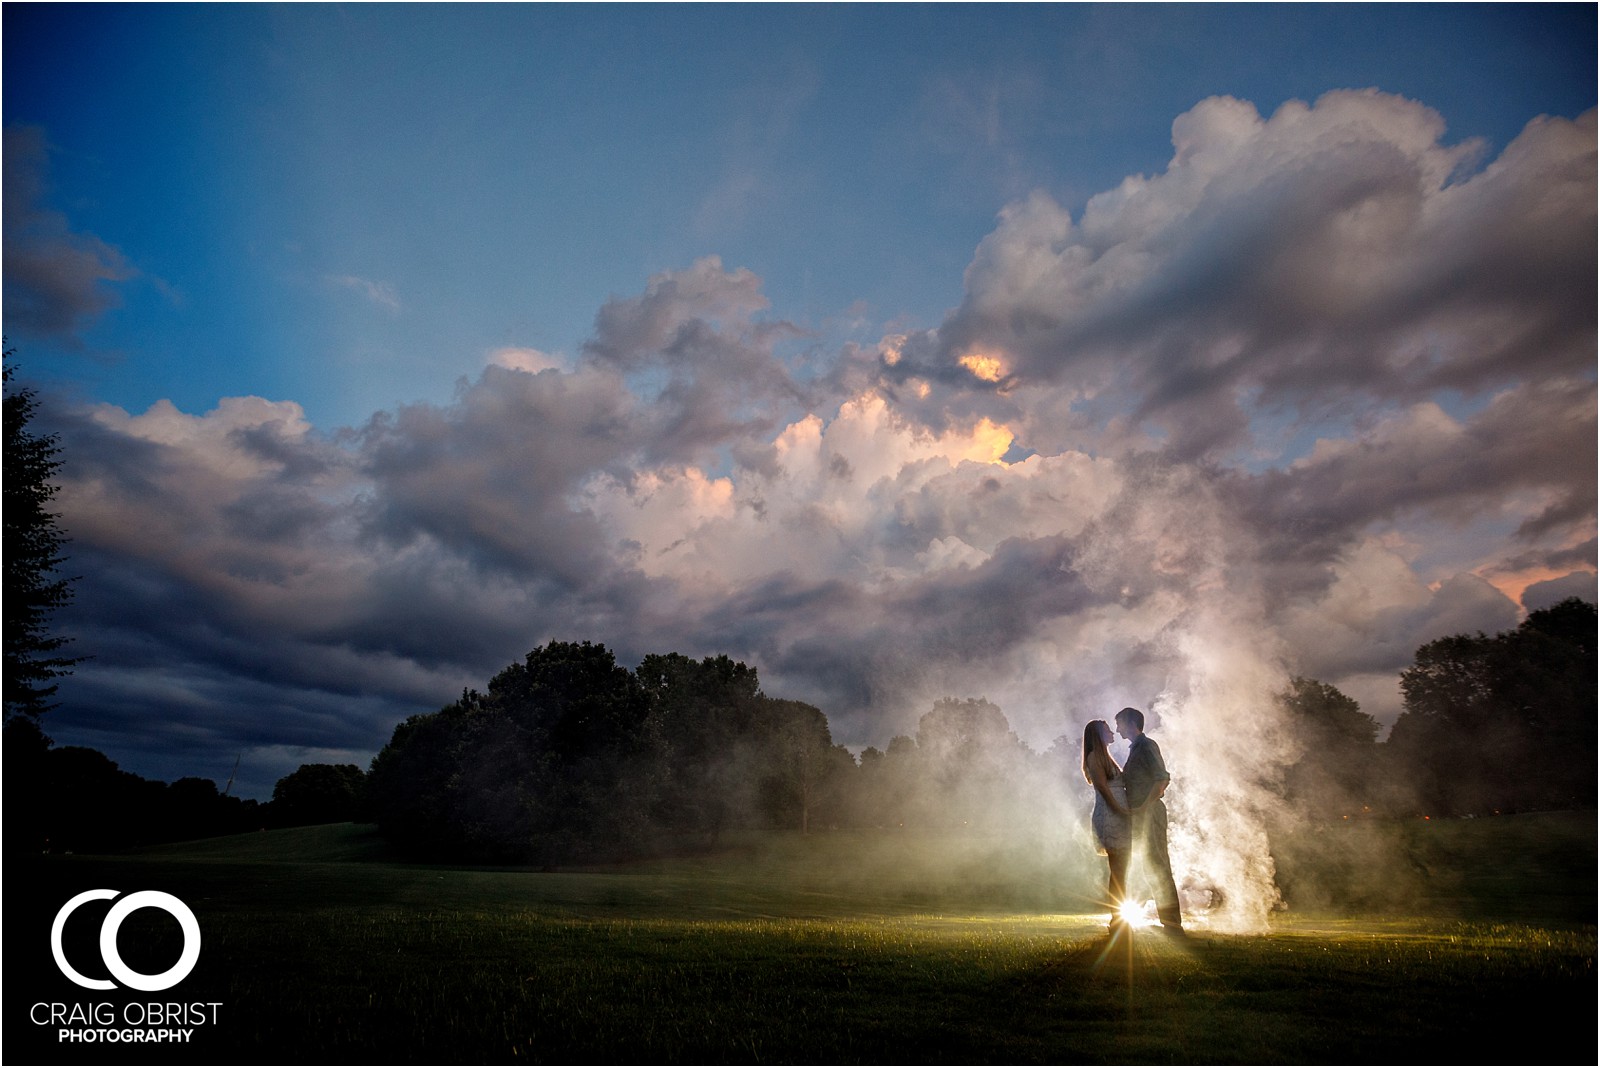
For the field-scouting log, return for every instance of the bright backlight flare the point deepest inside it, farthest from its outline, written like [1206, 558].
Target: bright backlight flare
[1136, 914]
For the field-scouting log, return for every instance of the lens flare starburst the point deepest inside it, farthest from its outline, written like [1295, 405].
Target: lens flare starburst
[1137, 914]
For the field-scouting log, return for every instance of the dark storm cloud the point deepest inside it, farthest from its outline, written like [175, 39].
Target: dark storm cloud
[961, 627]
[631, 333]
[56, 279]
[488, 476]
[940, 631]
[1536, 438]
[181, 680]
[1561, 559]
[1580, 584]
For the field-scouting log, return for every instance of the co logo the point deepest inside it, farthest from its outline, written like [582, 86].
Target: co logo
[125, 975]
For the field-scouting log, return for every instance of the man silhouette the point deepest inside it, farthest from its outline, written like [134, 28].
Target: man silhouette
[1146, 778]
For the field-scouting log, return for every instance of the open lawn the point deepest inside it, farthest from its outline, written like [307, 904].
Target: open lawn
[320, 948]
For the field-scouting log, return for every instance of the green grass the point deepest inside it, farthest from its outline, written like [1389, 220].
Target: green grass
[833, 948]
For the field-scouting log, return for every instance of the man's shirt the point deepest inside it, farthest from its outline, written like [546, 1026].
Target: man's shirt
[1145, 770]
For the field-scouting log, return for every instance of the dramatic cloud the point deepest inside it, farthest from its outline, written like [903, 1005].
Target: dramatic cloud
[1319, 260]
[56, 279]
[1318, 393]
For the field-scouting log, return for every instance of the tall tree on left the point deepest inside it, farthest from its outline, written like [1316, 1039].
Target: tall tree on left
[34, 586]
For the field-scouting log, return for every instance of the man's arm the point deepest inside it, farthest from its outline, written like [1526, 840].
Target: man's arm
[1146, 773]
[1158, 770]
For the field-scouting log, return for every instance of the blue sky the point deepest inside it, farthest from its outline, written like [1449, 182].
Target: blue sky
[493, 173]
[750, 246]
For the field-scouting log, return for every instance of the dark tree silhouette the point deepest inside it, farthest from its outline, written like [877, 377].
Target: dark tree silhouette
[569, 756]
[34, 589]
[700, 719]
[81, 801]
[543, 767]
[416, 780]
[1506, 722]
[802, 770]
[318, 793]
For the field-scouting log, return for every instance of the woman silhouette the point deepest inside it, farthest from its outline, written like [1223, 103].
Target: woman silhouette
[1111, 819]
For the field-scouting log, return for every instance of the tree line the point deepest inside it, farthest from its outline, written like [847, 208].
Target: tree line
[75, 799]
[571, 756]
[1490, 724]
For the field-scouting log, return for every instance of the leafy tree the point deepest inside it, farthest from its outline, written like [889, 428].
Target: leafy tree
[193, 808]
[318, 793]
[954, 731]
[699, 730]
[864, 806]
[574, 695]
[724, 753]
[540, 768]
[896, 799]
[972, 764]
[1505, 722]
[569, 755]
[84, 802]
[575, 720]
[1571, 622]
[1545, 681]
[803, 770]
[32, 550]
[415, 781]
[1334, 772]
[1454, 745]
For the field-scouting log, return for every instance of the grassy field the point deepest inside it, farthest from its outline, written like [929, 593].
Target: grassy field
[831, 948]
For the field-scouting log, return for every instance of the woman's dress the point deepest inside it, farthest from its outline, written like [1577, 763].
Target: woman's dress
[1112, 829]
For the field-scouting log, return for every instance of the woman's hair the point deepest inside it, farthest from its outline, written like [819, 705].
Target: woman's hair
[1094, 745]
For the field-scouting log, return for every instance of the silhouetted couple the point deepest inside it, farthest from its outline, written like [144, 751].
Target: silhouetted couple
[1129, 814]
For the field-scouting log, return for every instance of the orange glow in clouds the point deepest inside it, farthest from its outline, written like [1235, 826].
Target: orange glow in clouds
[1514, 583]
[892, 348]
[988, 368]
[990, 441]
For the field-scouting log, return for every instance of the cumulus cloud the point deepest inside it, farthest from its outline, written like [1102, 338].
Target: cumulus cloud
[1328, 257]
[1316, 394]
[57, 280]
[692, 346]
